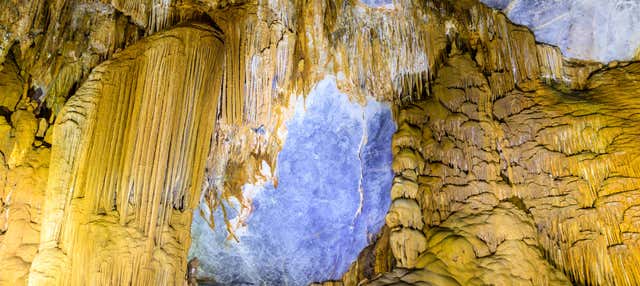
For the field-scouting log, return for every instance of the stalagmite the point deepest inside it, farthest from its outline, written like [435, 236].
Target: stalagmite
[407, 244]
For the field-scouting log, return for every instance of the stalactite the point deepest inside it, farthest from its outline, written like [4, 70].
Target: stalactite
[129, 153]
[389, 54]
[552, 159]
[481, 143]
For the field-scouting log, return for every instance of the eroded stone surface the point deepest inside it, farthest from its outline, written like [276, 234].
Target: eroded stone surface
[544, 182]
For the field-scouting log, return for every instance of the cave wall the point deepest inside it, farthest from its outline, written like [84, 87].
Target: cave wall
[122, 120]
[23, 176]
[324, 204]
[529, 174]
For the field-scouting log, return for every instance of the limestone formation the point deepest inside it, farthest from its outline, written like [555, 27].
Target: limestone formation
[129, 153]
[292, 142]
[545, 180]
[23, 178]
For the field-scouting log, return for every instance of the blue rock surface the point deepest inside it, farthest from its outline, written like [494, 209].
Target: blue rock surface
[378, 3]
[585, 29]
[599, 30]
[334, 175]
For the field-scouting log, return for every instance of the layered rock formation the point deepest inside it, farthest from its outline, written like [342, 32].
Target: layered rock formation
[531, 174]
[270, 122]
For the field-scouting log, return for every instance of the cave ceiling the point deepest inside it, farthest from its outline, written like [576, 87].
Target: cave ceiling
[333, 143]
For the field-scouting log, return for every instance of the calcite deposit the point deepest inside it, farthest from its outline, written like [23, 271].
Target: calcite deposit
[318, 142]
[130, 155]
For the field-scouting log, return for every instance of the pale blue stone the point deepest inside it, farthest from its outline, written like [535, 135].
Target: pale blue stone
[601, 30]
[310, 228]
[378, 3]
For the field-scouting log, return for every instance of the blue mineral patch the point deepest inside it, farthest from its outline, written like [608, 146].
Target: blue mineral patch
[334, 178]
[378, 3]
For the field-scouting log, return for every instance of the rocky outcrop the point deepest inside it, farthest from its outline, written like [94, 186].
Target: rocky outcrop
[534, 173]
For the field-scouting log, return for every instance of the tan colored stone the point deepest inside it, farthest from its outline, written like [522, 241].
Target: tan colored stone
[404, 189]
[407, 244]
[128, 164]
[404, 213]
[25, 126]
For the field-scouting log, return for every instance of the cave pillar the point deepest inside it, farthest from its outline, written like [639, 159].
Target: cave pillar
[128, 160]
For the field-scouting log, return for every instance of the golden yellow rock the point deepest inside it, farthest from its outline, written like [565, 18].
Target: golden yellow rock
[407, 159]
[25, 127]
[128, 156]
[407, 244]
[514, 165]
[11, 85]
[404, 189]
[552, 158]
[405, 213]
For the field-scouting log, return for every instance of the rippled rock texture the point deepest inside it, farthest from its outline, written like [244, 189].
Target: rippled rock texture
[528, 174]
[287, 142]
[127, 160]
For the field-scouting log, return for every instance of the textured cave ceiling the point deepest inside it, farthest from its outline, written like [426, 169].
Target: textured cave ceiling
[334, 143]
[594, 30]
